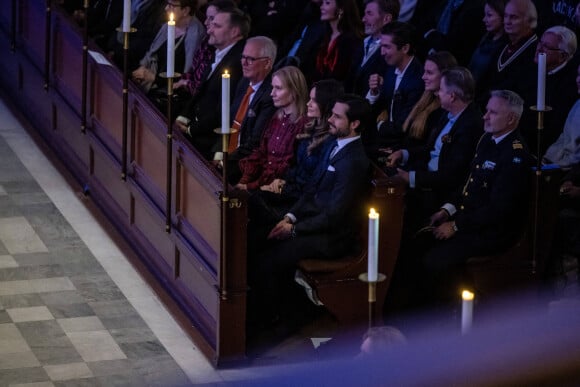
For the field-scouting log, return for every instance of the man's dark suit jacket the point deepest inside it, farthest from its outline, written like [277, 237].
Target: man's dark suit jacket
[409, 92]
[358, 82]
[204, 109]
[454, 159]
[331, 210]
[259, 113]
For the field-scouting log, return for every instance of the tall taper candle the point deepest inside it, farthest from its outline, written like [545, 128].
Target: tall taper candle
[170, 47]
[225, 102]
[127, 16]
[466, 311]
[541, 98]
[373, 247]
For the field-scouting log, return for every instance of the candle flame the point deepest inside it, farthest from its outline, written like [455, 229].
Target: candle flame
[171, 17]
[373, 214]
[467, 295]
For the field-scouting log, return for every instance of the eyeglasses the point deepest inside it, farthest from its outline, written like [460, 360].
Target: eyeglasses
[250, 59]
[542, 45]
[172, 5]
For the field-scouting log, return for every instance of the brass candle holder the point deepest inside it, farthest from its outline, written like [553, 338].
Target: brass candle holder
[540, 127]
[225, 199]
[125, 99]
[169, 148]
[372, 297]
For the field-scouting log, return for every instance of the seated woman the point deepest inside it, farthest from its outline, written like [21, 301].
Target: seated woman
[188, 34]
[483, 58]
[314, 146]
[427, 111]
[343, 37]
[273, 157]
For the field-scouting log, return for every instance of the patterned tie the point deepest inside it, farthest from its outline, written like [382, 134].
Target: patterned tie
[239, 118]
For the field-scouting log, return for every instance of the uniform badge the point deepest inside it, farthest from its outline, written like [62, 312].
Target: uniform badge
[488, 165]
[517, 145]
[517, 160]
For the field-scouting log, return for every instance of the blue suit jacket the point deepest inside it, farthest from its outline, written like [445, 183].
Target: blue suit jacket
[409, 92]
[331, 209]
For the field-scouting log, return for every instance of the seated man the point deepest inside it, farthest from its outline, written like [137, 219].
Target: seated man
[395, 92]
[322, 224]
[252, 108]
[202, 115]
[566, 150]
[489, 214]
[440, 168]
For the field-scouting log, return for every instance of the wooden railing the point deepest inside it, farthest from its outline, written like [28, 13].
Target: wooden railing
[204, 275]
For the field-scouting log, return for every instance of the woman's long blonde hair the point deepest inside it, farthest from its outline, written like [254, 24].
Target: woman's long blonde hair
[416, 123]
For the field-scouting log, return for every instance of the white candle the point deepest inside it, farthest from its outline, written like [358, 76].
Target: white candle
[466, 311]
[225, 102]
[127, 16]
[170, 46]
[373, 247]
[541, 98]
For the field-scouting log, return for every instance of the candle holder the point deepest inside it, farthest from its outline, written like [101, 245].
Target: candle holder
[85, 64]
[224, 198]
[372, 298]
[540, 127]
[169, 148]
[125, 99]
[47, 36]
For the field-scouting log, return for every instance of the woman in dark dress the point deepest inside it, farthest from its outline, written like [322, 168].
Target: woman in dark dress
[485, 55]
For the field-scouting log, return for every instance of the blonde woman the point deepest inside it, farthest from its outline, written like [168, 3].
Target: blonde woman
[276, 151]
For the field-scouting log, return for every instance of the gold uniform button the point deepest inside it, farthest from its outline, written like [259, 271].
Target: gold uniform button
[471, 179]
[462, 207]
[477, 166]
[465, 193]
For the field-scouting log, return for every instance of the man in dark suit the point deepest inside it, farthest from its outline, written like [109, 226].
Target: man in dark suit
[322, 224]
[304, 40]
[368, 59]
[396, 92]
[254, 89]
[203, 112]
[439, 168]
[488, 215]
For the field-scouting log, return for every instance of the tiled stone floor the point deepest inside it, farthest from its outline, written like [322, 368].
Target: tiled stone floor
[72, 309]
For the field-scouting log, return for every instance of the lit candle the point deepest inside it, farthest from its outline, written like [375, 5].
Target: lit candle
[466, 311]
[373, 248]
[541, 98]
[170, 46]
[127, 16]
[225, 102]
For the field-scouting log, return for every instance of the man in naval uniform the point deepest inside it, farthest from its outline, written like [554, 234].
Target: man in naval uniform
[488, 216]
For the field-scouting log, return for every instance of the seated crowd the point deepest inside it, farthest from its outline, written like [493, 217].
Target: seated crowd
[438, 93]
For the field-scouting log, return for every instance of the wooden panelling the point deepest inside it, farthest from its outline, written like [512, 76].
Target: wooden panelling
[189, 263]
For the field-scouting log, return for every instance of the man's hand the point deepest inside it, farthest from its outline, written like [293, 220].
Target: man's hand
[241, 186]
[375, 84]
[283, 230]
[143, 74]
[395, 158]
[444, 230]
[438, 218]
[181, 126]
[570, 190]
[402, 174]
[180, 83]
